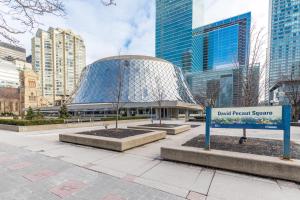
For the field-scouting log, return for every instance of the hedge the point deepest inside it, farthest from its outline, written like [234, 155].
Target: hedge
[123, 118]
[17, 122]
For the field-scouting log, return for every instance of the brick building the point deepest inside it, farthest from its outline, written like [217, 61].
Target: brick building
[9, 101]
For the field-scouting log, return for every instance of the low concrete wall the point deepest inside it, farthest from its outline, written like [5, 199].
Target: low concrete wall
[170, 131]
[113, 143]
[240, 162]
[295, 124]
[9, 127]
[61, 126]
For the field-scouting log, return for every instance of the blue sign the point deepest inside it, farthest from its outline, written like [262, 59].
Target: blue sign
[248, 118]
[270, 117]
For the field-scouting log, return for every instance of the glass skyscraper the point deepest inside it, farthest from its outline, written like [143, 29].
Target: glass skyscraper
[221, 44]
[174, 25]
[217, 50]
[182, 39]
[284, 41]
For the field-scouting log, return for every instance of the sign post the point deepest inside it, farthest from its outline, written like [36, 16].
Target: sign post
[269, 117]
[207, 128]
[286, 111]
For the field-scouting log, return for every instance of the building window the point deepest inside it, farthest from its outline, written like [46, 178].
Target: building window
[17, 107]
[11, 107]
[31, 83]
[32, 97]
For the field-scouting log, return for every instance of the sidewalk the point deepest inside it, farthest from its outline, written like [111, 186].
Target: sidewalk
[37, 166]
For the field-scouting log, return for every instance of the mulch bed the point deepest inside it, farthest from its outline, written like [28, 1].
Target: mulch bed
[162, 125]
[194, 126]
[258, 146]
[116, 133]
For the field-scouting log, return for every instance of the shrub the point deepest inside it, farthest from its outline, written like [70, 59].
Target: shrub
[31, 122]
[63, 112]
[29, 114]
[38, 115]
[124, 118]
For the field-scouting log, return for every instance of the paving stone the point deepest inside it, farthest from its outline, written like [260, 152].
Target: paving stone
[129, 164]
[290, 193]
[129, 178]
[39, 175]
[179, 175]
[9, 182]
[24, 194]
[20, 165]
[195, 196]
[181, 192]
[203, 181]
[80, 155]
[229, 187]
[6, 159]
[287, 184]
[113, 197]
[68, 188]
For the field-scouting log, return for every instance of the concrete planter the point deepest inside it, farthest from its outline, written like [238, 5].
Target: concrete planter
[170, 131]
[295, 124]
[240, 162]
[61, 126]
[114, 144]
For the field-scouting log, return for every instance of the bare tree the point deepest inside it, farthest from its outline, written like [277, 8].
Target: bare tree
[250, 75]
[160, 94]
[292, 92]
[109, 3]
[25, 14]
[21, 16]
[209, 97]
[119, 90]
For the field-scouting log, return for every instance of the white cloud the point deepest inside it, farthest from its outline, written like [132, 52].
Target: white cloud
[216, 10]
[107, 29]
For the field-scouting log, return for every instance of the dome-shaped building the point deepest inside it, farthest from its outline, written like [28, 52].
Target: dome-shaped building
[141, 85]
[135, 79]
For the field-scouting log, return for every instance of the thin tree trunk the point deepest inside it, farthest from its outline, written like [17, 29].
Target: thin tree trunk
[244, 133]
[295, 113]
[117, 117]
[160, 116]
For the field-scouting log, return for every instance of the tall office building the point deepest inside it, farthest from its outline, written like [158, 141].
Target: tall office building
[284, 46]
[222, 44]
[10, 52]
[219, 53]
[58, 56]
[175, 21]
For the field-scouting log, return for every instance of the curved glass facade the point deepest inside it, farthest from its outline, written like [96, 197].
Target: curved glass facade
[132, 79]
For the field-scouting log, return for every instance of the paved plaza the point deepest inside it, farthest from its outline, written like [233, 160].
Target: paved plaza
[35, 165]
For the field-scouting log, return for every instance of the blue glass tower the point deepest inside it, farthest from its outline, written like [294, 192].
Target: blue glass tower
[197, 49]
[221, 44]
[217, 49]
[174, 25]
[284, 44]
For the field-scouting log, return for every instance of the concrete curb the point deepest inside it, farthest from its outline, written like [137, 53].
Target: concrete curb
[170, 131]
[240, 162]
[114, 144]
[62, 126]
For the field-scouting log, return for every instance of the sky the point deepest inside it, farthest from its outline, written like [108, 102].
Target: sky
[129, 27]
